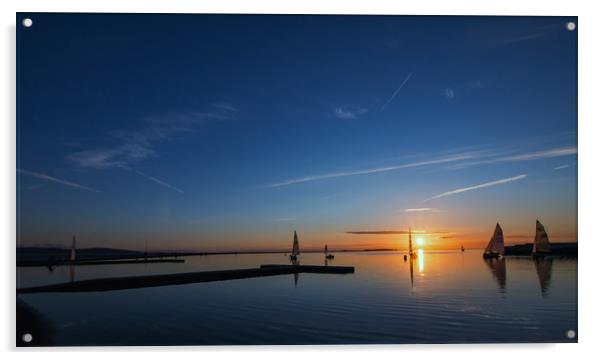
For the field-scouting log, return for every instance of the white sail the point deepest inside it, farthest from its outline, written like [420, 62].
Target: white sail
[496, 244]
[541, 243]
[295, 246]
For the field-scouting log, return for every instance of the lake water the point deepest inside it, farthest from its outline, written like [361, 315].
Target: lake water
[440, 297]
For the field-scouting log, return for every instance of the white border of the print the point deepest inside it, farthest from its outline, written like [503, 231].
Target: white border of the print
[589, 169]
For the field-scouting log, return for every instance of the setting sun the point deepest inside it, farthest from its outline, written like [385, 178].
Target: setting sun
[419, 241]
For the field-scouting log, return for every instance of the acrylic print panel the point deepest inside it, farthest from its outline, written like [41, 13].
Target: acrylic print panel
[274, 179]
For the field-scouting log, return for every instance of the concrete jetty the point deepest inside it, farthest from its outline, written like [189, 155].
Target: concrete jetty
[136, 282]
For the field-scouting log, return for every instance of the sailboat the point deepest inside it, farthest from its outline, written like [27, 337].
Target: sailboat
[326, 254]
[541, 243]
[495, 248]
[462, 248]
[72, 254]
[410, 250]
[295, 251]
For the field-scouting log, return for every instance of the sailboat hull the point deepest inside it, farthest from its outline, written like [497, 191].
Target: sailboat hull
[491, 255]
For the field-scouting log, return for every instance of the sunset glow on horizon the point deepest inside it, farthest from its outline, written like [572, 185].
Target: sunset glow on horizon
[206, 134]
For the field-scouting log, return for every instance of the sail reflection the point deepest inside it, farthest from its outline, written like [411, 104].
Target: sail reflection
[543, 266]
[498, 269]
[419, 257]
[71, 273]
[411, 272]
[295, 261]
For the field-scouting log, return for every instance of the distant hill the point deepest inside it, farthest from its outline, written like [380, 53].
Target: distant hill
[558, 248]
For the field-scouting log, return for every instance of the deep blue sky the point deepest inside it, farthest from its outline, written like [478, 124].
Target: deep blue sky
[230, 131]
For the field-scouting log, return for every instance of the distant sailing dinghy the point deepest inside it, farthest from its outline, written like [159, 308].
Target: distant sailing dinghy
[295, 251]
[541, 243]
[326, 254]
[410, 250]
[495, 248]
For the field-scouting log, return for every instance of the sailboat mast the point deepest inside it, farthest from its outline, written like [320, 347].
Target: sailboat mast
[72, 255]
[410, 241]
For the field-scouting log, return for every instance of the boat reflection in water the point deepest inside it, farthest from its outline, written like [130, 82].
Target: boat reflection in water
[498, 269]
[419, 258]
[543, 269]
[450, 301]
[543, 266]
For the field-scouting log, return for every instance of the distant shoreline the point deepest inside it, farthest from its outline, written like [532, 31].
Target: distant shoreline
[94, 253]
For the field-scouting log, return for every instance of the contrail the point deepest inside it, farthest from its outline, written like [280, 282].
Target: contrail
[371, 171]
[152, 178]
[397, 91]
[434, 210]
[480, 186]
[56, 180]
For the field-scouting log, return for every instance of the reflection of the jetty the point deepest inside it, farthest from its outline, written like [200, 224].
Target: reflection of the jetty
[543, 268]
[327, 262]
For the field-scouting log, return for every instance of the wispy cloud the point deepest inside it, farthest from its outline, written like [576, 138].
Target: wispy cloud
[475, 187]
[449, 93]
[530, 156]
[461, 158]
[424, 210]
[343, 113]
[130, 146]
[552, 153]
[529, 34]
[448, 159]
[117, 156]
[395, 232]
[55, 180]
[565, 166]
[396, 91]
[454, 91]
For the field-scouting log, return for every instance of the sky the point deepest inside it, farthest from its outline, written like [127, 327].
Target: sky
[229, 132]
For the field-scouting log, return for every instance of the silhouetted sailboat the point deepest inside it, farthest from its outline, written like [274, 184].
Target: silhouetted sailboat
[462, 248]
[410, 250]
[495, 248]
[326, 254]
[295, 251]
[541, 243]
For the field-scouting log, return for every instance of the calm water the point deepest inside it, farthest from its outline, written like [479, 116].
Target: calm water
[439, 297]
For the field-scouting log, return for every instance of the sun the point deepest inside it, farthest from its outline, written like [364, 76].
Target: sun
[419, 241]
